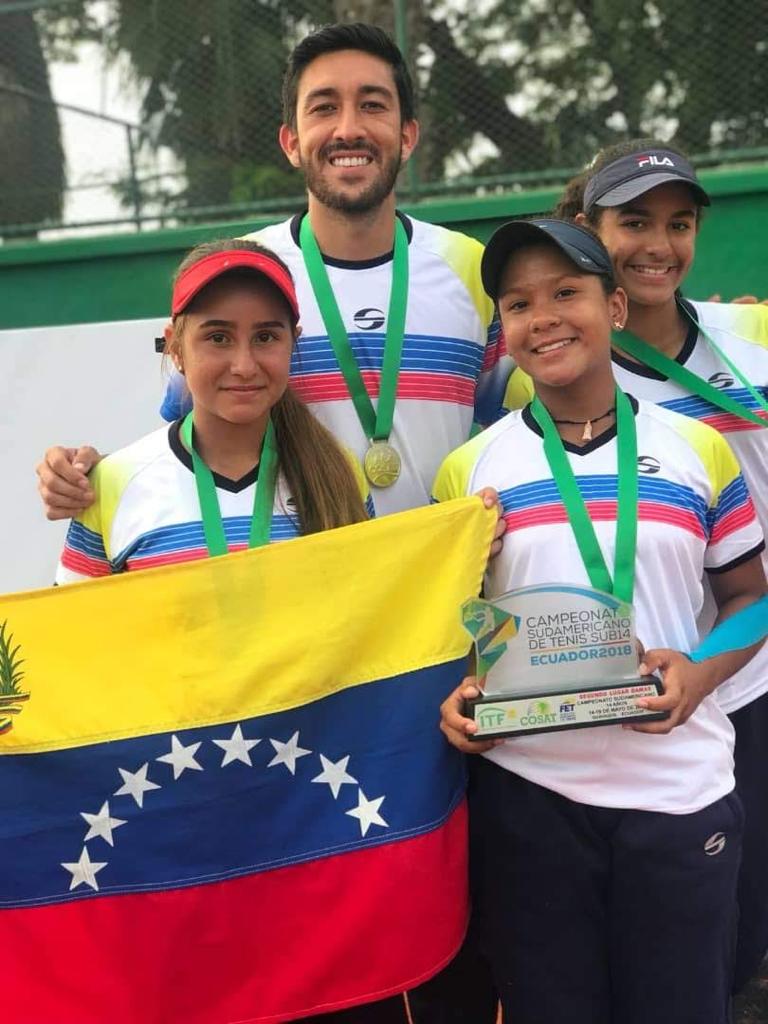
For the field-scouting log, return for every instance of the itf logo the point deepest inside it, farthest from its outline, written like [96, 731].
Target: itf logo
[491, 717]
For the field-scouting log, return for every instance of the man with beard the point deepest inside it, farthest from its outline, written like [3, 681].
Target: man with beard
[408, 322]
[392, 308]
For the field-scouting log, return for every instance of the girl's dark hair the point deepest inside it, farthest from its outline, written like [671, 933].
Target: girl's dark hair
[355, 36]
[571, 201]
[316, 470]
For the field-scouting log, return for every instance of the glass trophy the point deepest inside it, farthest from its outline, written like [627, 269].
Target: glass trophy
[555, 657]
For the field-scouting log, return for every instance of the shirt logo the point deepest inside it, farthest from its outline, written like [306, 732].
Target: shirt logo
[715, 844]
[721, 380]
[369, 319]
[654, 161]
[647, 464]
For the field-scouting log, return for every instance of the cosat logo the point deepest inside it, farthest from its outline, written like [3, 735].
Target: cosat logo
[369, 319]
[721, 380]
[650, 160]
[12, 696]
[539, 713]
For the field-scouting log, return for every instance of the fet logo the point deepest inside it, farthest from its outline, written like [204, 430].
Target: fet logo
[647, 464]
[721, 380]
[369, 319]
[654, 161]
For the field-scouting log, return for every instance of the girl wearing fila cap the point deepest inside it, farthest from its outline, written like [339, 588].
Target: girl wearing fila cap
[708, 361]
[253, 466]
[605, 859]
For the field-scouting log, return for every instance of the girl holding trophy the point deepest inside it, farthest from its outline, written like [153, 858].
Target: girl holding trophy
[707, 360]
[605, 860]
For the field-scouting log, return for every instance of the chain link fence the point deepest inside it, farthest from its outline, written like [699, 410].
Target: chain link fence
[123, 114]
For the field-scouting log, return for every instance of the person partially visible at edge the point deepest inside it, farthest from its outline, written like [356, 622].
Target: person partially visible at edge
[604, 860]
[349, 127]
[233, 332]
[710, 362]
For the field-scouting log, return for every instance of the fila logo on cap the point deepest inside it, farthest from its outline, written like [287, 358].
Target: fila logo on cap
[654, 161]
[715, 844]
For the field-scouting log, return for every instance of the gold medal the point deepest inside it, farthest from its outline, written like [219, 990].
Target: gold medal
[381, 464]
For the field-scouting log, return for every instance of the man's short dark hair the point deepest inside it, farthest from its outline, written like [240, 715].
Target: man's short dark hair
[356, 36]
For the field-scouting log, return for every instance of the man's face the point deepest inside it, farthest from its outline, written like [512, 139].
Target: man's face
[349, 138]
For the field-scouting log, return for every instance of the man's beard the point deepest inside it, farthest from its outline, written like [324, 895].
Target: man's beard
[363, 202]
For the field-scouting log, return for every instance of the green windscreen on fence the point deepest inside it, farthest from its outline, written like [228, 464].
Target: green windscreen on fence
[127, 114]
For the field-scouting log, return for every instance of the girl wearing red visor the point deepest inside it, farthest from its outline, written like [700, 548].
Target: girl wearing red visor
[251, 464]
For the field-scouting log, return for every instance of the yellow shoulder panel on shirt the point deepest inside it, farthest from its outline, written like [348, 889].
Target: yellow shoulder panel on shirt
[519, 391]
[714, 451]
[751, 323]
[463, 255]
[108, 480]
[357, 469]
[748, 321]
[452, 480]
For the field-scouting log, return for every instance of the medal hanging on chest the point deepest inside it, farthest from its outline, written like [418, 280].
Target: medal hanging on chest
[263, 498]
[382, 462]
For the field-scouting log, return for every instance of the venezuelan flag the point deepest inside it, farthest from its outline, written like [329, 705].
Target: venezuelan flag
[223, 793]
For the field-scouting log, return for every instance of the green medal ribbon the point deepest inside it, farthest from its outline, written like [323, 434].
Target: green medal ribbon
[377, 425]
[622, 585]
[650, 356]
[263, 499]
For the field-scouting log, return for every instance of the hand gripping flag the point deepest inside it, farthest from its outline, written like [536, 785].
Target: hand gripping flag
[224, 796]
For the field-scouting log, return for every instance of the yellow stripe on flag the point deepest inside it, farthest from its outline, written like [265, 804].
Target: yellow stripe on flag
[254, 632]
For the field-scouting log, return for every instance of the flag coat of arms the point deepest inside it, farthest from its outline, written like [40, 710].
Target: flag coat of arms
[224, 796]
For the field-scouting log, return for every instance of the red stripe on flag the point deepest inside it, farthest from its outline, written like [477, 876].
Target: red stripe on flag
[269, 947]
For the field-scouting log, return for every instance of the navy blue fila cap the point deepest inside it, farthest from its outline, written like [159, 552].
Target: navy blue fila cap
[631, 176]
[584, 249]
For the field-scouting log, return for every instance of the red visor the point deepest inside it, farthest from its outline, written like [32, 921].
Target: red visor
[210, 267]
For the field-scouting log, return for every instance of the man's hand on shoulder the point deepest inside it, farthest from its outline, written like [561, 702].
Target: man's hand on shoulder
[63, 480]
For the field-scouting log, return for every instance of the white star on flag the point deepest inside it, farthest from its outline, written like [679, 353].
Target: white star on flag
[101, 824]
[367, 812]
[236, 748]
[181, 757]
[84, 871]
[136, 784]
[288, 753]
[335, 774]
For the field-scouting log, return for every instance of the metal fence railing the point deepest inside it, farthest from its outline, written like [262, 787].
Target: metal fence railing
[119, 114]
